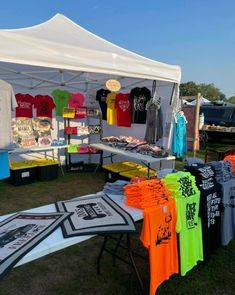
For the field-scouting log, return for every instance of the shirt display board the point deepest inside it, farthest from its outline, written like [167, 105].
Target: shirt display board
[22, 232]
[23, 132]
[94, 215]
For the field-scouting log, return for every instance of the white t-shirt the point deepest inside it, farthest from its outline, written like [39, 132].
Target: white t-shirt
[7, 104]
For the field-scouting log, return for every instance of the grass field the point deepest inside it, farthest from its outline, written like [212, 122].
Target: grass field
[73, 270]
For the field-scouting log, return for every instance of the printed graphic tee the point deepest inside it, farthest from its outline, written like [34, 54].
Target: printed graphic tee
[25, 105]
[190, 232]
[77, 101]
[139, 98]
[101, 96]
[158, 235]
[61, 98]
[8, 104]
[111, 110]
[123, 107]
[44, 105]
[210, 207]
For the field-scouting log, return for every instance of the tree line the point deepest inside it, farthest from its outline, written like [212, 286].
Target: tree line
[209, 91]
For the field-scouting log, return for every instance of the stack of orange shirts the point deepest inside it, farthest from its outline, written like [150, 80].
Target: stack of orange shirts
[231, 158]
[146, 194]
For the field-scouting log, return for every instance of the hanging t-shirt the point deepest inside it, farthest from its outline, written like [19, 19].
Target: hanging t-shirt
[44, 105]
[7, 105]
[111, 110]
[76, 100]
[123, 107]
[4, 169]
[61, 98]
[101, 96]
[25, 105]
[190, 232]
[210, 207]
[179, 141]
[139, 98]
[159, 236]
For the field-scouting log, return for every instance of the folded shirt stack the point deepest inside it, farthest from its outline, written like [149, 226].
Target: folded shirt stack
[146, 194]
[115, 188]
[223, 170]
[231, 158]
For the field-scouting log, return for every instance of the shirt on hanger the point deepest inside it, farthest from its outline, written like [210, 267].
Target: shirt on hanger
[139, 98]
[101, 96]
[7, 104]
[25, 105]
[44, 105]
[111, 110]
[159, 236]
[123, 107]
[61, 98]
[76, 100]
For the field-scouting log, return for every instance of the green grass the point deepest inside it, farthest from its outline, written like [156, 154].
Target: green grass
[72, 271]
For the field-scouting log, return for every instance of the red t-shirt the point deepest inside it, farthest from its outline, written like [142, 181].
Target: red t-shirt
[123, 107]
[25, 105]
[76, 100]
[44, 105]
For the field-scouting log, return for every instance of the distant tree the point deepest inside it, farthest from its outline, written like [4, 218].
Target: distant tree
[231, 99]
[208, 91]
[188, 89]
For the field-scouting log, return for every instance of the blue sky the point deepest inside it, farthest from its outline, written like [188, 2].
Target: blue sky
[199, 35]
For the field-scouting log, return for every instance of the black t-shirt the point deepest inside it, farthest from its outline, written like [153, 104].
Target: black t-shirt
[210, 207]
[139, 98]
[101, 96]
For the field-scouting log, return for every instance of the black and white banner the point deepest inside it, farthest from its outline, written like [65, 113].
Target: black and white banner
[94, 215]
[22, 232]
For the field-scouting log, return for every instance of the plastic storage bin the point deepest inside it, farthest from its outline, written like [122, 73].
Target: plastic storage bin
[22, 172]
[47, 169]
[112, 171]
[138, 171]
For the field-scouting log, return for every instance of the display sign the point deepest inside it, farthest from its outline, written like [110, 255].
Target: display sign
[113, 85]
[94, 215]
[23, 231]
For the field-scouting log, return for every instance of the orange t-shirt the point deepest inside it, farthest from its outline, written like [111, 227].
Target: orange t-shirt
[159, 236]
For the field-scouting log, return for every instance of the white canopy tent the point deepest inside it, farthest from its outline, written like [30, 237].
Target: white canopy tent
[61, 54]
[202, 101]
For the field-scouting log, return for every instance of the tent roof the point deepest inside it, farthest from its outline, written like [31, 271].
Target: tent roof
[203, 100]
[61, 44]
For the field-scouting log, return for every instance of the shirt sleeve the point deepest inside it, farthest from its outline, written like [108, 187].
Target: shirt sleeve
[14, 103]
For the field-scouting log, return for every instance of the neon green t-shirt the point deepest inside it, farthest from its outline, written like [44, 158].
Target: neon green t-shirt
[188, 226]
[61, 98]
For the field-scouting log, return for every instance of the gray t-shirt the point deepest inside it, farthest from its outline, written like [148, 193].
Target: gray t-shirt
[228, 214]
[7, 104]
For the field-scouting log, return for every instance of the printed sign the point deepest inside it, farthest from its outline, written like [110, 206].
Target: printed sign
[113, 85]
[94, 215]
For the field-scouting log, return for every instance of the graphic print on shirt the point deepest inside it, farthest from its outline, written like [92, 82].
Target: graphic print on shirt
[190, 215]
[139, 103]
[186, 186]
[213, 209]
[163, 232]
[124, 105]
